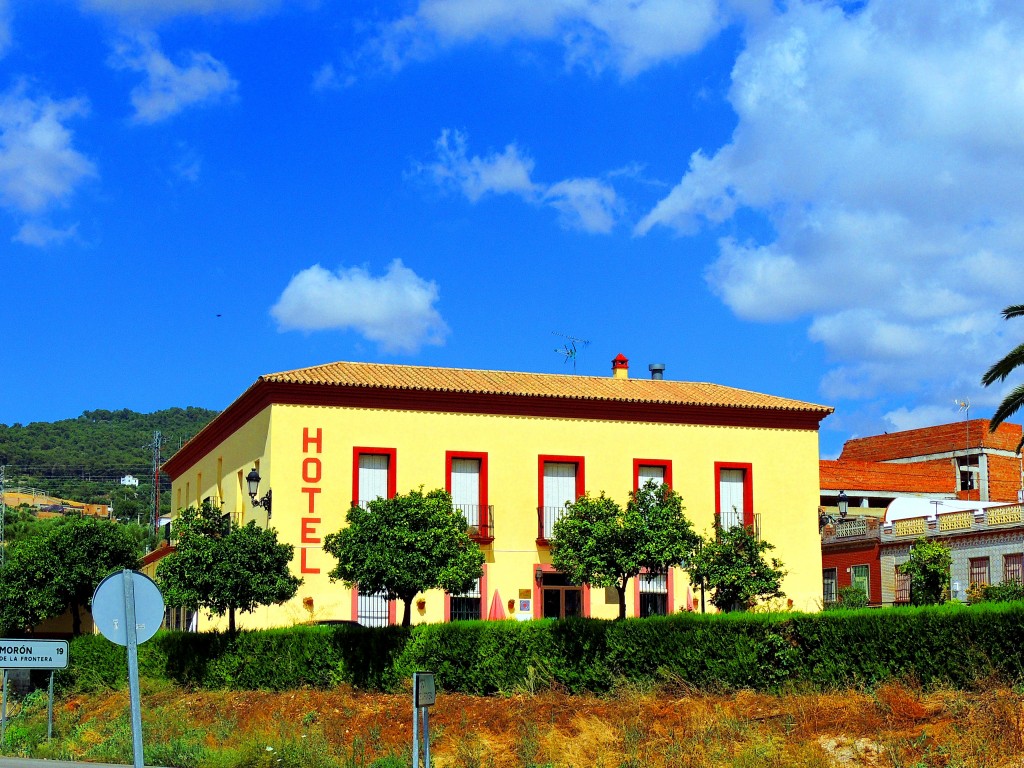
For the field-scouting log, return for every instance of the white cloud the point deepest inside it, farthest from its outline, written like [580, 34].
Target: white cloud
[587, 204]
[168, 88]
[883, 146]
[629, 36]
[397, 310]
[41, 235]
[39, 165]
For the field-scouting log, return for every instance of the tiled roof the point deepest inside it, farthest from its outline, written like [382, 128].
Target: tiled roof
[918, 477]
[468, 381]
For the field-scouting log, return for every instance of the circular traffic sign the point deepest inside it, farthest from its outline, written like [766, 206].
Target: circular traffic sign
[109, 609]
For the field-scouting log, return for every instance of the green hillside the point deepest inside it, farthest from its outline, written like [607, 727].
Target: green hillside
[84, 459]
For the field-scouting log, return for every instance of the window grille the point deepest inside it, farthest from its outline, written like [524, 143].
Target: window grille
[373, 609]
[466, 606]
[653, 594]
[1013, 568]
[829, 584]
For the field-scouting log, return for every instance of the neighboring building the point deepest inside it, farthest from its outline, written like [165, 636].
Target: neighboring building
[512, 448]
[936, 477]
[986, 541]
[51, 506]
[976, 464]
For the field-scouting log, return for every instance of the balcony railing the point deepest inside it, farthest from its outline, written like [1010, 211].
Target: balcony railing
[479, 520]
[546, 519]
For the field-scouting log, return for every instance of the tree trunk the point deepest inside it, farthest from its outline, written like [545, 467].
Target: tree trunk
[621, 589]
[407, 611]
[76, 618]
[231, 620]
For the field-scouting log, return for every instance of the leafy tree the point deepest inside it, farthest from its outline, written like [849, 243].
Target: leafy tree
[27, 595]
[224, 567]
[598, 543]
[1013, 360]
[60, 568]
[734, 567]
[405, 545]
[928, 568]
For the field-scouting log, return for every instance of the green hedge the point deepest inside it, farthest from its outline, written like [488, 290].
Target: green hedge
[951, 645]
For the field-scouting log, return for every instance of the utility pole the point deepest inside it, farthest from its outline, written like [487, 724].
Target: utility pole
[155, 497]
[3, 514]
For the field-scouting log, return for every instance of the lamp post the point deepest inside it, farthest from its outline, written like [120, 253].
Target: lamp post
[253, 481]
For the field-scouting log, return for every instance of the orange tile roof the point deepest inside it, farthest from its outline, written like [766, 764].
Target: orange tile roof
[917, 477]
[468, 381]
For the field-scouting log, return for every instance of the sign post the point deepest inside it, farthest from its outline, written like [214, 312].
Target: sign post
[423, 697]
[128, 608]
[31, 654]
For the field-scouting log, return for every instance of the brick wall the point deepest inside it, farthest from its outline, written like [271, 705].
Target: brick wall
[938, 439]
[1003, 478]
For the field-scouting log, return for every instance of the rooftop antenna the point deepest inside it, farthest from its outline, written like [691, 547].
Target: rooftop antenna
[964, 406]
[571, 348]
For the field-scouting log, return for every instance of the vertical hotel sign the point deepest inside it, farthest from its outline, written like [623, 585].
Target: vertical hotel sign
[312, 473]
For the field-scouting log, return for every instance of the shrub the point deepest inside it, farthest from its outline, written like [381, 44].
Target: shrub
[949, 644]
[1008, 591]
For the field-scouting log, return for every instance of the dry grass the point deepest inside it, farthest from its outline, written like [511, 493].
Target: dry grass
[896, 726]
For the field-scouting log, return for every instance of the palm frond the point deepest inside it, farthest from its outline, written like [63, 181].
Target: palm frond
[1010, 405]
[1014, 310]
[1003, 368]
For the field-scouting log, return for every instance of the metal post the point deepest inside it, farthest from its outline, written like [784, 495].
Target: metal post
[426, 737]
[133, 667]
[49, 711]
[415, 733]
[3, 708]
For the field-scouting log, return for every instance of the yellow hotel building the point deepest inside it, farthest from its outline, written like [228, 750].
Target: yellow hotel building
[512, 448]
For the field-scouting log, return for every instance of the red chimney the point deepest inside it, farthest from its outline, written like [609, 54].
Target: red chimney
[620, 367]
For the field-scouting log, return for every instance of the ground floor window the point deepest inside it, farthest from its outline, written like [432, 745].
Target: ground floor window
[560, 598]
[466, 606]
[372, 609]
[979, 573]
[859, 577]
[180, 619]
[829, 582]
[1013, 568]
[902, 587]
[653, 594]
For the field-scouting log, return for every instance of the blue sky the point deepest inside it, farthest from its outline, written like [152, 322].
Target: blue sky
[818, 200]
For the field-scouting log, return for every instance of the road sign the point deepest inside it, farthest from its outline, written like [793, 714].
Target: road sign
[108, 608]
[33, 654]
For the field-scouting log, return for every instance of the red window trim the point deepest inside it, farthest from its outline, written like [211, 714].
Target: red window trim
[748, 488]
[485, 521]
[581, 484]
[483, 595]
[538, 607]
[392, 608]
[669, 583]
[666, 464]
[392, 455]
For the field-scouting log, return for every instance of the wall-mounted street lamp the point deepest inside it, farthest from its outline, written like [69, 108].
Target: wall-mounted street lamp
[539, 575]
[253, 481]
[844, 504]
